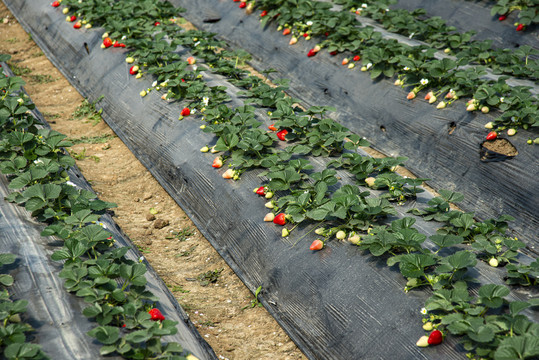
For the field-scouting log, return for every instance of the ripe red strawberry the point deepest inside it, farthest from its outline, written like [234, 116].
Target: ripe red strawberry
[502, 17]
[116, 44]
[281, 134]
[492, 135]
[242, 5]
[520, 27]
[77, 25]
[156, 315]
[317, 245]
[286, 31]
[191, 60]
[107, 42]
[305, 35]
[435, 337]
[157, 23]
[326, 33]
[272, 127]
[356, 58]
[311, 53]
[280, 219]
[217, 162]
[263, 13]
[73, 18]
[186, 112]
[122, 45]
[55, 4]
[261, 191]
[333, 53]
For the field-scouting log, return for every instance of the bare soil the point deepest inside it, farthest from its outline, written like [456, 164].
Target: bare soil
[183, 258]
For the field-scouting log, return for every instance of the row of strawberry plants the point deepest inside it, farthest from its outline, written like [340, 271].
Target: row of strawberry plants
[33, 159]
[434, 31]
[13, 341]
[415, 67]
[305, 195]
[528, 11]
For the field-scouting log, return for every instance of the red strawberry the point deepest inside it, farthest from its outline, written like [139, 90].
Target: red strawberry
[280, 219]
[191, 60]
[286, 31]
[356, 58]
[133, 70]
[116, 44]
[263, 13]
[435, 337]
[317, 245]
[305, 35]
[55, 4]
[156, 315]
[333, 53]
[492, 135]
[281, 134]
[217, 162]
[77, 25]
[261, 191]
[311, 53]
[326, 33]
[502, 17]
[157, 23]
[122, 45]
[186, 112]
[73, 18]
[520, 27]
[242, 5]
[272, 127]
[107, 42]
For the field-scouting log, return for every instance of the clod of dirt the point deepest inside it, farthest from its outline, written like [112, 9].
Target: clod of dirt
[499, 149]
[147, 196]
[147, 242]
[150, 217]
[160, 223]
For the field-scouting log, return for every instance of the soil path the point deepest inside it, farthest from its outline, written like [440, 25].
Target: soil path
[213, 296]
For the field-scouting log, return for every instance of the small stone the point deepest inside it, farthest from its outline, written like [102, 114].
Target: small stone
[160, 223]
[147, 196]
[150, 217]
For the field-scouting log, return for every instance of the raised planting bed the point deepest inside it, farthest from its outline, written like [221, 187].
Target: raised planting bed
[63, 325]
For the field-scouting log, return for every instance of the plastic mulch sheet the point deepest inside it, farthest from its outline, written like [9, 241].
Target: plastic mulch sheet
[336, 303]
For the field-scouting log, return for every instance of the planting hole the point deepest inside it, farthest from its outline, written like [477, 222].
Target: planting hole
[497, 150]
[87, 49]
[383, 128]
[452, 128]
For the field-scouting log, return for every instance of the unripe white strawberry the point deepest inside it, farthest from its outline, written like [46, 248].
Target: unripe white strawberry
[511, 132]
[129, 60]
[398, 82]
[285, 232]
[370, 181]
[428, 326]
[489, 125]
[354, 239]
[65, 10]
[269, 195]
[143, 93]
[485, 109]
[269, 217]
[320, 231]
[493, 262]
[293, 40]
[351, 65]
[341, 235]
[432, 100]
[213, 151]
[269, 205]
[229, 174]
[423, 341]
[441, 105]
[138, 76]
[204, 149]
[88, 26]
[105, 35]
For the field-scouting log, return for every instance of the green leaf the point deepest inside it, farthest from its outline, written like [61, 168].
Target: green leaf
[138, 336]
[21, 351]
[105, 334]
[492, 295]
[6, 259]
[6, 280]
[517, 306]
[447, 240]
[518, 347]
